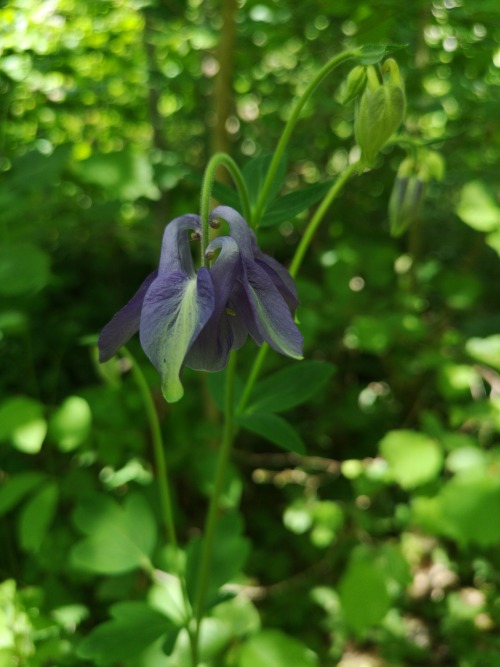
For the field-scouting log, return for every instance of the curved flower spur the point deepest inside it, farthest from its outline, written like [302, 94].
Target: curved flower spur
[195, 318]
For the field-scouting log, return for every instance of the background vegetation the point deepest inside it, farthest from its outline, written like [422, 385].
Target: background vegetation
[381, 545]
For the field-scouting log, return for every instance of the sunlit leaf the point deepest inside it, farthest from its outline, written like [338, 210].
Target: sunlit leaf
[413, 458]
[70, 424]
[477, 207]
[22, 422]
[119, 539]
[273, 648]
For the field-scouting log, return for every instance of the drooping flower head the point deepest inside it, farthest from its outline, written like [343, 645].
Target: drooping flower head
[195, 318]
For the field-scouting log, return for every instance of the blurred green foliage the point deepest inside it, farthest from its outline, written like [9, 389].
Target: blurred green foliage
[373, 539]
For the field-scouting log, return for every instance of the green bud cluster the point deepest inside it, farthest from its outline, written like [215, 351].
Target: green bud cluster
[380, 109]
[408, 192]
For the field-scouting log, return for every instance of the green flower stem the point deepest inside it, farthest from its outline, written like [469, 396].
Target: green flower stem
[289, 127]
[294, 269]
[163, 483]
[252, 377]
[206, 194]
[158, 448]
[211, 520]
[319, 215]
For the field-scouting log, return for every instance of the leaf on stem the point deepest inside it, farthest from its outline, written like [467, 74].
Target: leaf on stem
[274, 429]
[290, 386]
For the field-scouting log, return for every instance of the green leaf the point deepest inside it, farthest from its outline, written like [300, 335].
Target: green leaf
[119, 539]
[24, 269]
[293, 203]
[134, 627]
[273, 648]
[485, 350]
[22, 422]
[413, 458]
[477, 208]
[470, 506]
[36, 517]
[290, 386]
[15, 488]
[254, 174]
[363, 593]
[273, 428]
[70, 424]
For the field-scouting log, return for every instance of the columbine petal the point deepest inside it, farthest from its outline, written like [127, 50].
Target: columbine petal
[268, 295]
[222, 332]
[271, 312]
[175, 250]
[124, 324]
[176, 308]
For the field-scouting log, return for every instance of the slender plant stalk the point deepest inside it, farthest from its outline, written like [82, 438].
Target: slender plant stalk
[289, 127]
[158, 449]
[318, 216]
[206, 193]
[211, 520]
[163, 482]
[298, 257]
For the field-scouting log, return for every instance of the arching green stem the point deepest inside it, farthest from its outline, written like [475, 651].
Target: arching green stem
[289, 127]
[206, 194]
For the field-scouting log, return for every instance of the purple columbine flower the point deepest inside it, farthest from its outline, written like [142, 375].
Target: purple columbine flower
[195, 318]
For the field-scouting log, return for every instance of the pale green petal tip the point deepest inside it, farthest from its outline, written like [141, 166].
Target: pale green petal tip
[172, 389]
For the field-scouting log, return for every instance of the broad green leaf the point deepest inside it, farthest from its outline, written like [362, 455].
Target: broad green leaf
[22, 422]
[15, 488]
[290, 386]
[273, 648]
[293, 203]
[363, 594]
[135, 625]
[485, 350]
[413, 458]
[273, 428]
[70, 424]
[119, 539]
[24, 269]
[36, 517]
[470, 506]
[477, 208]
[254, 174]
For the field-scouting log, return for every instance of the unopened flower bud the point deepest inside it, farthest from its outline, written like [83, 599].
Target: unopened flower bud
[380, 110]
[355, 84]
